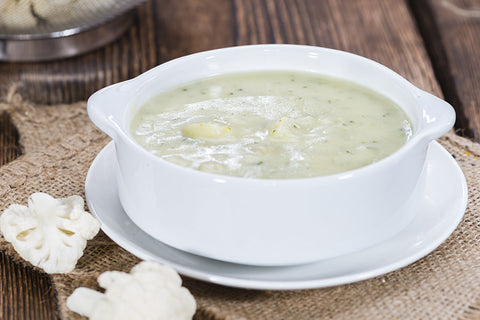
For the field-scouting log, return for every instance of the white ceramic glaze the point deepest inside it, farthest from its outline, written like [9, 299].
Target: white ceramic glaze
[439, 211]
[269, 222]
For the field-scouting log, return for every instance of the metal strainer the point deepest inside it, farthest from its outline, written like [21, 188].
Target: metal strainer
[33, 30]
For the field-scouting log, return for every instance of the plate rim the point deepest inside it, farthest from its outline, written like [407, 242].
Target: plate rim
[256, 284]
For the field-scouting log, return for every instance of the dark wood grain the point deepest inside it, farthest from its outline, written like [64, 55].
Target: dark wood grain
[75, 79]
[451, 30]
[164, 30]
[9, 140]
[189, 26]
[25, 293]
[381, 30]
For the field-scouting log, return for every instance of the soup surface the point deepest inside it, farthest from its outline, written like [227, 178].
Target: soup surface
[272, 125]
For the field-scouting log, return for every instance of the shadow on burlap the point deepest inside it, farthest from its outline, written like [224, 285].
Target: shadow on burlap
[59, 144]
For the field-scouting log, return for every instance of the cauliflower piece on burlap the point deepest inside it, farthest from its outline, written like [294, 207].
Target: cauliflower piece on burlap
[149, 291]
[50, 233]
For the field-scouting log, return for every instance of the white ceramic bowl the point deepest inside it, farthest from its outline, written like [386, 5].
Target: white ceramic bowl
[262, 221]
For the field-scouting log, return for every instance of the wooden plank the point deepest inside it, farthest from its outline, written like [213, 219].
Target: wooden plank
[75, 79]
[9, 147]
[25, 293]
[451, 30]
[381, 30]
[168, 30]
[162, 31]
[189, 26]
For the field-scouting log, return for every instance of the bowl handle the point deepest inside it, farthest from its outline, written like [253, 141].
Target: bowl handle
[438, 116]
[106, 107]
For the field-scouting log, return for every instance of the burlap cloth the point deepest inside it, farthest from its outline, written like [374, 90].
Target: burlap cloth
[59, 144]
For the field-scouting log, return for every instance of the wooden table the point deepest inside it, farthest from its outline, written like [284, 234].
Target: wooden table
[433, 43]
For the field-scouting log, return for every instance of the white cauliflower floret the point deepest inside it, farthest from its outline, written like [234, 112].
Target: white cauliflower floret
[149, 291]
[206, 131]
[50, 233]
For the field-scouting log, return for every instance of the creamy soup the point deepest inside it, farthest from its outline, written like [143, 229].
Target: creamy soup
[272, 125]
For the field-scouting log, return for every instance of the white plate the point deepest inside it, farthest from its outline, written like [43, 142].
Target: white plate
[441, 210]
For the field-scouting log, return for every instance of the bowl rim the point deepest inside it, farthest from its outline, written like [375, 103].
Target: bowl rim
[369, 169]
